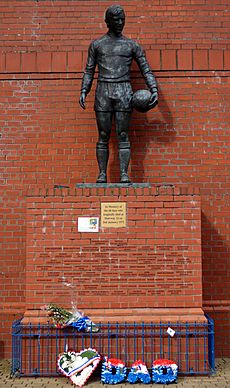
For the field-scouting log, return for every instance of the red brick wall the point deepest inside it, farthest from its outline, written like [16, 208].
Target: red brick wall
[219, 310]
[155, 261]
[54, 35]
[48, 140]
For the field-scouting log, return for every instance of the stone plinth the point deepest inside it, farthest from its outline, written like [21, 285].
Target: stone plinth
[138, 315]
[154, 262]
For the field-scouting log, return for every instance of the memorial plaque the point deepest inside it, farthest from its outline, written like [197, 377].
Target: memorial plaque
[113, 214]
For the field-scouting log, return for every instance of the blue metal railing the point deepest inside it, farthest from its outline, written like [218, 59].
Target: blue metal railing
[35, 348]
[211, 343]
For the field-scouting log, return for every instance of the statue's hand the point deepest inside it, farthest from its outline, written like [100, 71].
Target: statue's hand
[153, 100]
[82, 100]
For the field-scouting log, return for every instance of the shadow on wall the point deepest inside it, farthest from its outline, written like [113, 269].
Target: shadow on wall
[2, 354]
[142, 132]
[147, 134]
[215, 262]
[215, 277]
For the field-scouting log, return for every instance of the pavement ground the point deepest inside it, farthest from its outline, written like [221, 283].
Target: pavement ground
[220, 379]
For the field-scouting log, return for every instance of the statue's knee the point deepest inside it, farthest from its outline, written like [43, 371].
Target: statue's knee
[104, 137]
[123, 136]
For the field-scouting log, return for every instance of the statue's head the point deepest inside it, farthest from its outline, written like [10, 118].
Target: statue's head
[115, 18]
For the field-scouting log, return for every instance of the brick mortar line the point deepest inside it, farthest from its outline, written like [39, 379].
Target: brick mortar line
[40, 76]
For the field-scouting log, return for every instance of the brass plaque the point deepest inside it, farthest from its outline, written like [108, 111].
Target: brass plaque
[113, 214]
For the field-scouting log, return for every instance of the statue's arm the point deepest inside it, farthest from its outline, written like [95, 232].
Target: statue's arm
[88, 76]
[147, 73]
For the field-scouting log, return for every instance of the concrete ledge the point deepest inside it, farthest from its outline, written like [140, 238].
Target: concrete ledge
[145, 315]
[112, 185]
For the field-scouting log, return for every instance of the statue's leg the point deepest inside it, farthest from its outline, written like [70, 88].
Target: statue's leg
[122, 120]
[104, 123]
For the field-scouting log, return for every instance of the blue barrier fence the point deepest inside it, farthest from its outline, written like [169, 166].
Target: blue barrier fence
[35, 348]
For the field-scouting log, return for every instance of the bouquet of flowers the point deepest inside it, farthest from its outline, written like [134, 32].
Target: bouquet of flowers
[63, 318]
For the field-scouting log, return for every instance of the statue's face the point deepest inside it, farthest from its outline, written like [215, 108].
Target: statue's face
[116, 23]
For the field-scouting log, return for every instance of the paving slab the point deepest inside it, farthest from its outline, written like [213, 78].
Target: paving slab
[220, 379]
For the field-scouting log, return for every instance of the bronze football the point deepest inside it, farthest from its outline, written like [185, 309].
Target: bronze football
[141, 99]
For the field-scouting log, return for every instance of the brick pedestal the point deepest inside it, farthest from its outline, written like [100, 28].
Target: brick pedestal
[147, 272]
[153, 262]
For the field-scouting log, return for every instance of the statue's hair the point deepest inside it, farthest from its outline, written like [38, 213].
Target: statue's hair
[113, 10]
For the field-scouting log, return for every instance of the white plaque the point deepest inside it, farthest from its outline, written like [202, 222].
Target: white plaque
[88, 224]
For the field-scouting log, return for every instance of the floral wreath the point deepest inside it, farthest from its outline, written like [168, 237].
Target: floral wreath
[139, 372]
[113, 371]
[164, 371]
[78, 366]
